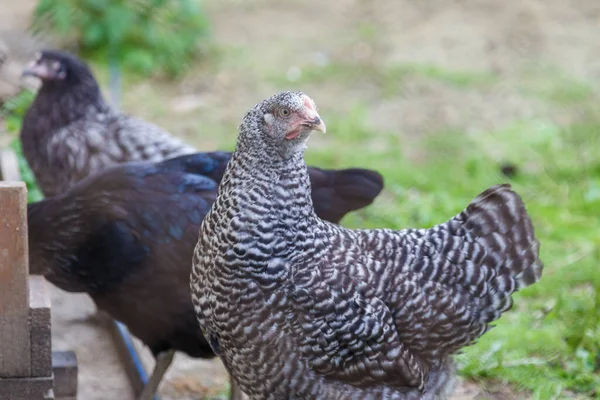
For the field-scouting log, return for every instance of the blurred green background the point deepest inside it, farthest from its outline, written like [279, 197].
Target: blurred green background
[444, 98]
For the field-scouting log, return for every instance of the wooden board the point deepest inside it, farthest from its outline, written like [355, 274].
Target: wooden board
[40, 332]
[15, 356]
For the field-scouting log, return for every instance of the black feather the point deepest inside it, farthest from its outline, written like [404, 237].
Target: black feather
[104, 253]
[337, 192]
[126, 236]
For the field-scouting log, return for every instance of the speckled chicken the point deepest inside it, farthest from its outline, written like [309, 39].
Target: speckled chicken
[70, 132]
[299, 308]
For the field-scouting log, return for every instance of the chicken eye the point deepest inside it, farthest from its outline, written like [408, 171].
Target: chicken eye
[284, 112]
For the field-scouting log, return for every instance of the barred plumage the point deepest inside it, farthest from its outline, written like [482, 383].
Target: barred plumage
[299, 308]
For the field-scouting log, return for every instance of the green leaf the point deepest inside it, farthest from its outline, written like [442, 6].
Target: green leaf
[96, 5]
[119, 20]
[165, 34]
[33, 191]
[44, 7]
[62, 17]
[139, 60]
[93, 35]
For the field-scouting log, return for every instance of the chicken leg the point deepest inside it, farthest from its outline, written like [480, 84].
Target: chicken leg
[163, 361]
[235, 392]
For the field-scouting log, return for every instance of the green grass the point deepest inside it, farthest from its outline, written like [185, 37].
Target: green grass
[555, 86]
[33, 191]
[457, 78]
[548, 345]
[12, 112]
[389, 79]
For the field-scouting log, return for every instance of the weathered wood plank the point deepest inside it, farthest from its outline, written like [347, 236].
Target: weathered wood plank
[15, 353]
[25, 389]
[40, 332]
[64, 366]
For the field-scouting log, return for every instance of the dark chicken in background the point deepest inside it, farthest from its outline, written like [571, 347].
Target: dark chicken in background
[126, 237]
[70, 132]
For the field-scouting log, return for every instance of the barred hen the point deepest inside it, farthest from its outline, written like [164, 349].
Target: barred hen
[70, 132]
[125, 236]
[299, 308]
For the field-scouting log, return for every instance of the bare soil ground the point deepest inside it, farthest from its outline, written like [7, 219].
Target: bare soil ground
[266, 45]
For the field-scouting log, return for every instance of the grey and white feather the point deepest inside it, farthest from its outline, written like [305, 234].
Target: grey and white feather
[70, 132]
[299, 308]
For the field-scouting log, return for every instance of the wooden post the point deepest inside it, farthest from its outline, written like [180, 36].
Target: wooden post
[40, 331]
[64, 368]
[15, 353]
[27, 364]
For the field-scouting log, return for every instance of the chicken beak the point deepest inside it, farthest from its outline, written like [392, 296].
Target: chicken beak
[29, 69]
[37, 70]
[312, 117]
[318, 124]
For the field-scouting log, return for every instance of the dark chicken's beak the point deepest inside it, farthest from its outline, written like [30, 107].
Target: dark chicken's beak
[29, 69]
[38, 70]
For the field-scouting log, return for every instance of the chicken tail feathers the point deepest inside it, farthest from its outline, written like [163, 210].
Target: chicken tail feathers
[338, 192]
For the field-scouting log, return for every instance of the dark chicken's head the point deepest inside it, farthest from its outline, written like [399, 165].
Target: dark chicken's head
[57, 66]
[283, 122]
